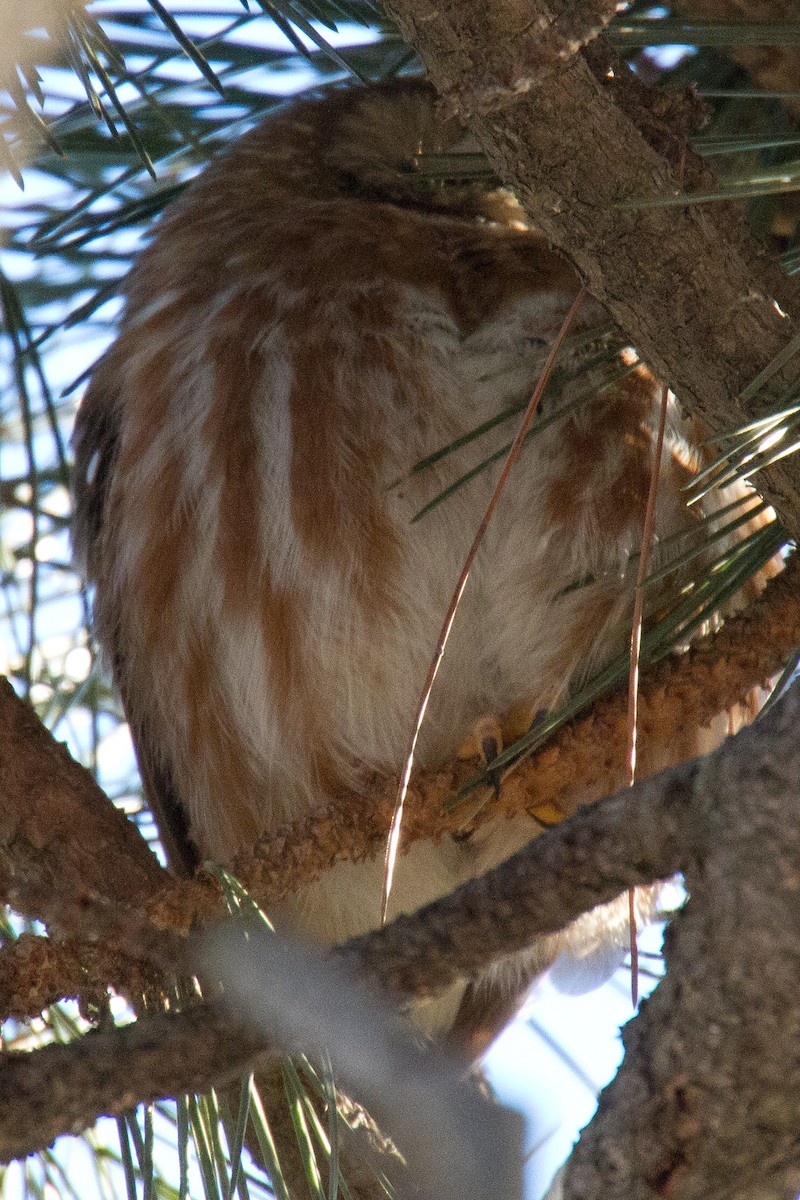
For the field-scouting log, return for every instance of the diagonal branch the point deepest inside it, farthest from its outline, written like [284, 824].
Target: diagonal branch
[59, 835]
[54, 815]
[671, 821]
[583, 759]
[63, 1089]
[707, 1101]
[699, 817]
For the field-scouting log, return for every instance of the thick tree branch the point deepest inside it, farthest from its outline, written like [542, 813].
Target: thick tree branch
[64, 846]
[59, 835]
[583, 759]
[697, 305]
[634, 838]
[47, 859]
[107, 1072]
[64, 1089]
[707, 1102]
[730, 822]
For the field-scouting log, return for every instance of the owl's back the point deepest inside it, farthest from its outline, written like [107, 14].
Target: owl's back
[311, 320]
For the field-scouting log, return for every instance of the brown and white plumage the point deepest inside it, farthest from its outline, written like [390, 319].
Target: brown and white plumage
[310, 320]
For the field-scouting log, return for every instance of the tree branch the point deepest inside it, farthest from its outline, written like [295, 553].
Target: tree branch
[707, 1101]
[36, 972]
[583, 759]
[64, 846]
[160, 1056]
[742, 861]
[635, 838]
[59, 835]
[112, 897]
[65, 1088]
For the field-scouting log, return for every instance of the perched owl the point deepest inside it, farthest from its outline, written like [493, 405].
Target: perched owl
[314, 317]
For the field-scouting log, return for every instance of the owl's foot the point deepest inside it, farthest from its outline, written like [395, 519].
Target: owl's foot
[486, 740]
[489, 735]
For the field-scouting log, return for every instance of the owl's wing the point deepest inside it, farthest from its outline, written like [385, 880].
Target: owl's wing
[487, 1006]
[95, 444]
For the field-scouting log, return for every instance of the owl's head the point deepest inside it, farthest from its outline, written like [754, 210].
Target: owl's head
[383, 143]
[391, 142]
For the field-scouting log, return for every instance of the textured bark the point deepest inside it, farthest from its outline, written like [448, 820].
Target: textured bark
[64, 1089]
[113, 903]
[696, 303]
[635, 838]
[581, 762]
[35, 972]
[710, 1092]
[59, 835]
[707, 1101]
[643, 834]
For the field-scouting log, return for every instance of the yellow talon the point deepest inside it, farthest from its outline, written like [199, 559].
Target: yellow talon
[485, 740]
[547, 814]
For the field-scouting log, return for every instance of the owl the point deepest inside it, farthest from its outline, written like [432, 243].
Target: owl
[313, 317]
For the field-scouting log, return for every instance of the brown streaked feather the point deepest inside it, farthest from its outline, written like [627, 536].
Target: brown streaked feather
[96, 448]
[486, 1008]
[310, 320]
[163, 801]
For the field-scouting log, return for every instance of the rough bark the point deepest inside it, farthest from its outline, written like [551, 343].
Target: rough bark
[59, 836]
[707, 1102]
[641, 835]
[582, 759]
[708, 1099]
[64, 1089]
[65, 852]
